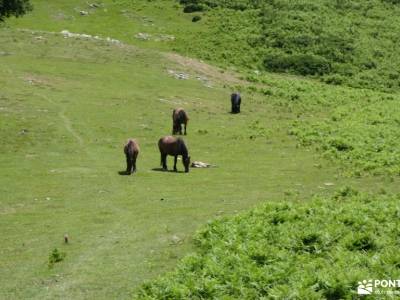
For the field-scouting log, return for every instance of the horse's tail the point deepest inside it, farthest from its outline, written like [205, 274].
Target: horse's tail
[130, 148]
[186, 116]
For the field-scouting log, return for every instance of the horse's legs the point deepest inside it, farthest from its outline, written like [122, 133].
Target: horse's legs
[134, 165]
[175, 160]
[164, 161]
[128, 165]
[185, 127]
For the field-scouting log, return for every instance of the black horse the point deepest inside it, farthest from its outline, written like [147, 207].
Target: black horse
[235, 101]
[131, 150]
[170, 145]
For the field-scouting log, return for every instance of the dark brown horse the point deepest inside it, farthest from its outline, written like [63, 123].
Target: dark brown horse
[179, 117]
[131, 151]
[235, 103]
[170, 145]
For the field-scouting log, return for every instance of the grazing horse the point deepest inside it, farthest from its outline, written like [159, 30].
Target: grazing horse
[179, 117]
[235, 101]
[131, 151]
[170, 145]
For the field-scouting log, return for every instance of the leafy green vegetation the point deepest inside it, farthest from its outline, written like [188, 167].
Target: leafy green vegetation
[348, 42]
[14, 8]
[317, 249]
[363, 134]
[56, 256]
[356, 127]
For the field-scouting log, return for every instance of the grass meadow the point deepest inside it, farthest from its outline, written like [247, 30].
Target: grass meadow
[67, 105]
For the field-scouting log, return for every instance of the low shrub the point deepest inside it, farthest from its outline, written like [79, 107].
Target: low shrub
[196, 18]
[55, 256]
[302, 64]
[194, 8]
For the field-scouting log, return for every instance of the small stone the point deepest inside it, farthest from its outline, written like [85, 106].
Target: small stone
[176, 240]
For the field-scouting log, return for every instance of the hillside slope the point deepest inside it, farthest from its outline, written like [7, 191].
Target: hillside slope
[366, 141]
[68, 104]
[341, 42]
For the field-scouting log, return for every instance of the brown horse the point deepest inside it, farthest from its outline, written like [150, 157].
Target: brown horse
[131, 151]
[170, 145]
[179, 117]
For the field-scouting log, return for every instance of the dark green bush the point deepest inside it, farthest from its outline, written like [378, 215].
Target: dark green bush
[194, 8]
[55, 256]
[196, 18]
[303, 64]
[334, 79]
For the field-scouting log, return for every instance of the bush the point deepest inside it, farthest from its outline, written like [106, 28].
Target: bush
[196, 18]
[334, 79]
[302, 64]
[55, 257]
[194, 8]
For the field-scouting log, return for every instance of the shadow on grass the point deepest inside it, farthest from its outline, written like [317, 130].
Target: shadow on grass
[124, 173]
[162, 170]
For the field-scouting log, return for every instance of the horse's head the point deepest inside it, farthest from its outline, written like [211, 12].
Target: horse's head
[186, 163]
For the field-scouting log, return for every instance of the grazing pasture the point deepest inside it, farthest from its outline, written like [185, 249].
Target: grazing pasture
[67, 107]
[69, 102]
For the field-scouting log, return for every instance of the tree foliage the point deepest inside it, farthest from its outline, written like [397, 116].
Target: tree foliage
[13, 8]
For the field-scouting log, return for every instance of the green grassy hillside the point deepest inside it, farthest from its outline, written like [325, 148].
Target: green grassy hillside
[366, 141]
[340, 42]
[67, 107]
[68, 104]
